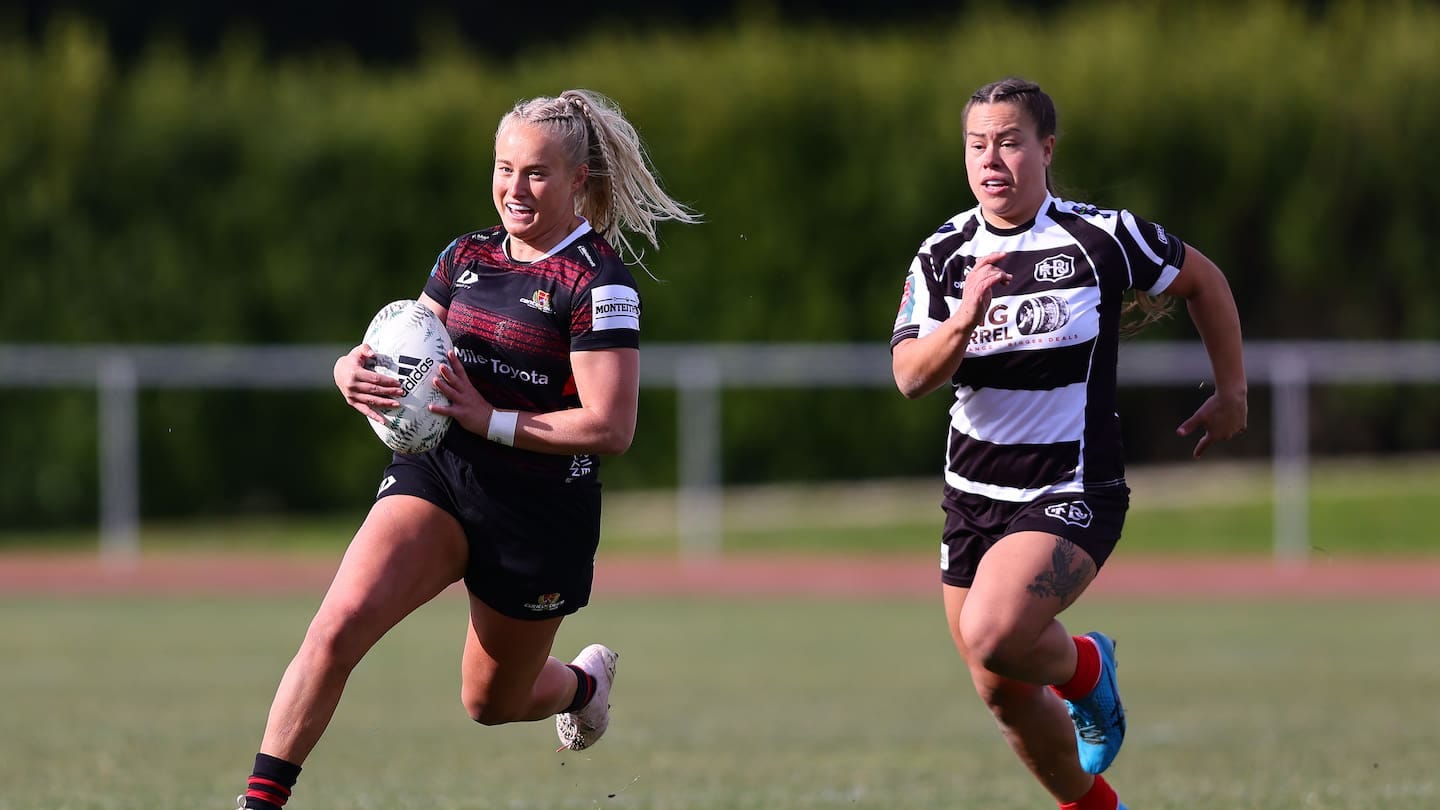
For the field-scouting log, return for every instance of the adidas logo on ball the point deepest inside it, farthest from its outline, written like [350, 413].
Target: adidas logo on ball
[413, 370]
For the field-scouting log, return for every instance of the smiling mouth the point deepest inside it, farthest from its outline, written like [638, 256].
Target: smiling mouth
[519, 210]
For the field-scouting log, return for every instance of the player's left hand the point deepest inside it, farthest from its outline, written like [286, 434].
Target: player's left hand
[1222, 416]
[468, 406]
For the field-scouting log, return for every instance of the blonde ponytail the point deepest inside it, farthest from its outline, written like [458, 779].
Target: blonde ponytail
[1142, 311]
[621, 192]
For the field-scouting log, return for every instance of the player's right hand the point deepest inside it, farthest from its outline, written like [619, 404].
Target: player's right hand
[977, 291]
[363, 387]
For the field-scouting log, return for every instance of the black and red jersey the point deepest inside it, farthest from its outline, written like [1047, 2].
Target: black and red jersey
[514, 325]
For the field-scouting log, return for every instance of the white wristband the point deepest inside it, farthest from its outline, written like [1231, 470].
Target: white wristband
[502, 427]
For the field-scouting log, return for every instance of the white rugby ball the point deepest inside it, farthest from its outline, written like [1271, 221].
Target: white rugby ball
[410, 343]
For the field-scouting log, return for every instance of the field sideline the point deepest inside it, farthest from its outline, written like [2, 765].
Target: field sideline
[818, 575]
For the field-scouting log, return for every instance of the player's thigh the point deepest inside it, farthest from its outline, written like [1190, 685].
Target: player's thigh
[1024, 581]
[504, 655]
[990, 686]
[406, 552]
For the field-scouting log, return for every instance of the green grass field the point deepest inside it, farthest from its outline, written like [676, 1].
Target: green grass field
[1357, 506]
[157, 704]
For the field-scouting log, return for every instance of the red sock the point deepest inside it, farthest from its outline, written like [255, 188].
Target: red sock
[1099, 797]
[1087, 670]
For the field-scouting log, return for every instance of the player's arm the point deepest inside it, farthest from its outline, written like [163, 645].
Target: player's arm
[1212, 307]
[435, 307]
[921, 365]
[608, 382]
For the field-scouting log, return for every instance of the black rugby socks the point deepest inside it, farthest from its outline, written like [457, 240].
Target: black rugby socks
[584, 689]
[270, 784]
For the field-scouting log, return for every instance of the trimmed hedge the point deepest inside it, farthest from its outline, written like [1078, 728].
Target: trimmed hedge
[228, 199]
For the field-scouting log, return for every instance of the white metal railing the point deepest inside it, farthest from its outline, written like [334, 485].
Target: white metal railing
[698, 373]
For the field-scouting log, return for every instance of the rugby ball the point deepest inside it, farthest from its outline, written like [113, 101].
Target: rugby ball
[410, 343]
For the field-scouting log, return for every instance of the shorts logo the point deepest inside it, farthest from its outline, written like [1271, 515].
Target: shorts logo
[538, 300]
[1074, 513]
[944, 556]
[386, 484]
[545, 603]
[1055, 268]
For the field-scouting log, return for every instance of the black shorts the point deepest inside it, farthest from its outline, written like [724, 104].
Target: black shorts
[974, 523]
[532, 544]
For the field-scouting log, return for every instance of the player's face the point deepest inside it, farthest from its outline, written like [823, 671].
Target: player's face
[1005, 161]
[535, 186]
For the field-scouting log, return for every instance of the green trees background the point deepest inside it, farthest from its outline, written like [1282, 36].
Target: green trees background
[228, 199]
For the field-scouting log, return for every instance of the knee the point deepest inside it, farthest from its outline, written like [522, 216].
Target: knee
[336, 642]
[993, 646]
[487, 712]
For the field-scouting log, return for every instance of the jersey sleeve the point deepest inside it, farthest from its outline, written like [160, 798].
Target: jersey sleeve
[1155, 255]
[606, 313]
[440, 284]
[918, 315]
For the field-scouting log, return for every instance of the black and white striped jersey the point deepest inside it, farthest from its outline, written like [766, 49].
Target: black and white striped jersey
[1034, 411]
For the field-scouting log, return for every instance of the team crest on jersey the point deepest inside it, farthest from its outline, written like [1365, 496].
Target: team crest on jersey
[539, 300]
[467, 278]
[1073, 513]
[1055, 268]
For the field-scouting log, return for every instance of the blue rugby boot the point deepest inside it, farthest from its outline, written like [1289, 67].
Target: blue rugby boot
[1099, 717]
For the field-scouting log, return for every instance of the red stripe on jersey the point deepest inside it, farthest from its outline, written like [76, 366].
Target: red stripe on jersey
[505, 332]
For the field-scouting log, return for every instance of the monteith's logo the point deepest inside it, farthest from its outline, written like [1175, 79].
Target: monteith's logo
[1074, 513]
[1055, 268]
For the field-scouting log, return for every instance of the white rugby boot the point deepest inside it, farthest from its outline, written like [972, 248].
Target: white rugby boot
[581, 729]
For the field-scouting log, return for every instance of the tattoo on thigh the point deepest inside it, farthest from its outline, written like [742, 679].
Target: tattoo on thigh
[1067, 574]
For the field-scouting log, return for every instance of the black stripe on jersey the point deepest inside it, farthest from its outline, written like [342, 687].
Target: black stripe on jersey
[1103, 461]
[1022, 466]
[1102, 248]
[1030, 370]
[940, 273]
